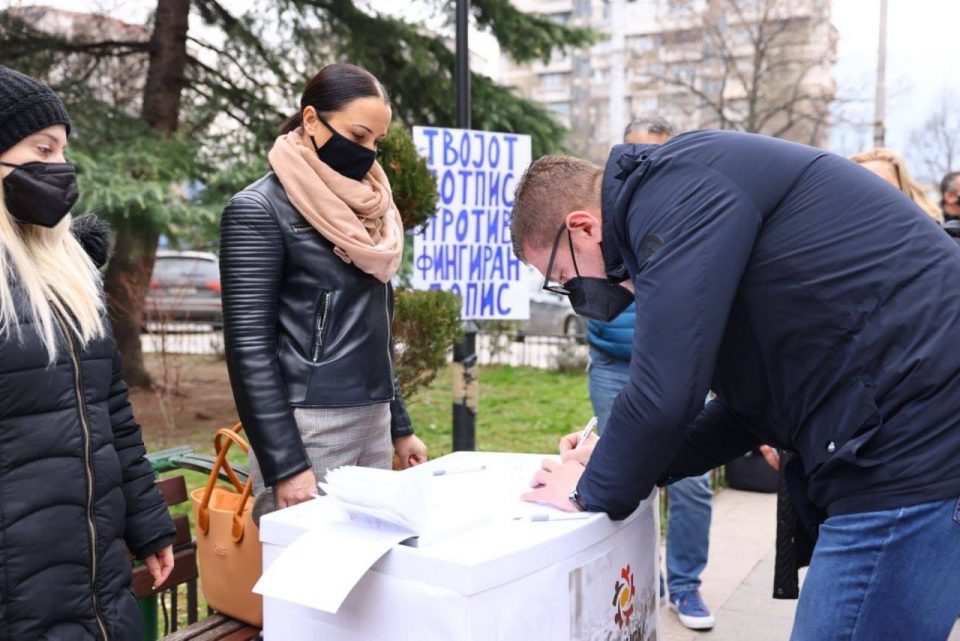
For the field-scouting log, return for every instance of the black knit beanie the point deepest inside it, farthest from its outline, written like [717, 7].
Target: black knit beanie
[26, 107]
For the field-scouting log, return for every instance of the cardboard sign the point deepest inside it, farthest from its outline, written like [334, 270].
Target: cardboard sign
[465, 248]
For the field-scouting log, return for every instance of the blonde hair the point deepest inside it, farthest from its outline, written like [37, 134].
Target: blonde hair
[551, 187]
[908, 185]
[56, 277]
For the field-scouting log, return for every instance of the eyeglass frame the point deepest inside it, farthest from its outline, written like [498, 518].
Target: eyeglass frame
[559, 288]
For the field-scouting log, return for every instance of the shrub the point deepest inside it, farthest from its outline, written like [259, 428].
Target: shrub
[426, 325]
[414, 187]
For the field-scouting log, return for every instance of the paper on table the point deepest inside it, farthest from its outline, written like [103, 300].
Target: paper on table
[319, 569]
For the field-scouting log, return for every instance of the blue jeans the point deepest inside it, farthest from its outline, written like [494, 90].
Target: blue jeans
[689, 500]
[893, 574]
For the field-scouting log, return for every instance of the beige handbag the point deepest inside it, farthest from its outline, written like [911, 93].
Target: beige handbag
[228, 542]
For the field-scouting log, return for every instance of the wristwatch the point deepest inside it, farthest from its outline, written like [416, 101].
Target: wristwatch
[574, 497]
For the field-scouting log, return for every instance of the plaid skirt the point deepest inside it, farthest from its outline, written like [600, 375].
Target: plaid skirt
[333, 436]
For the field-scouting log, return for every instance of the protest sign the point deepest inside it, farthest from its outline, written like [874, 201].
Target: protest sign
[465, 248]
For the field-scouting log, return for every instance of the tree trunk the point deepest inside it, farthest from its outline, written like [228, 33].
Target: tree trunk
[128, 275]
[126, 283]
[166, 77]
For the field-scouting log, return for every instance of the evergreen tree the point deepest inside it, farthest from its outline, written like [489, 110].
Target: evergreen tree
[160, 110]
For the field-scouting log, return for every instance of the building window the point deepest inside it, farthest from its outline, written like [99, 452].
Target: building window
[561, 109]
[554, 80]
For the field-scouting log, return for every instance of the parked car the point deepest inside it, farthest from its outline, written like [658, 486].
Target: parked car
[185, 288]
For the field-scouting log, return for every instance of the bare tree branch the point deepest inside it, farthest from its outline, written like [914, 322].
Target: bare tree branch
[758, 70]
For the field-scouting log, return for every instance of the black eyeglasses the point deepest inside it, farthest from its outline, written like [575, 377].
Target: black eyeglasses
[559, 288]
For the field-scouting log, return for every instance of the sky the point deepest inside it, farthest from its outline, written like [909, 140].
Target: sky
[923, 60]
[923, 55]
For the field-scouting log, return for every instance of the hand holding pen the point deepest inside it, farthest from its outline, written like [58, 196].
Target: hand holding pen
[578, 446]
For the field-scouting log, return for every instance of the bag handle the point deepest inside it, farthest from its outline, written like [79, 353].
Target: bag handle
[203, 517]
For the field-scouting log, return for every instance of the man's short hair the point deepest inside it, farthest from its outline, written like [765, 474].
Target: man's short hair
[650, 124]
[552, 187]
[949, 182]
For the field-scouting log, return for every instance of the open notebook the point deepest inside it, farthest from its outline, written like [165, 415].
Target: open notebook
[415, 501]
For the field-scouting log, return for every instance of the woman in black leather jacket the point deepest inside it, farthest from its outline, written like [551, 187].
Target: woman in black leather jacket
[76, 492]
[307, 253]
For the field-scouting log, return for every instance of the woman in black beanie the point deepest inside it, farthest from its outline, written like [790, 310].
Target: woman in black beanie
[75, 489]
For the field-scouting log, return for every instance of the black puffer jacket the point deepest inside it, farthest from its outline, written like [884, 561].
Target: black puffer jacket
[302, 328]
[74, 488]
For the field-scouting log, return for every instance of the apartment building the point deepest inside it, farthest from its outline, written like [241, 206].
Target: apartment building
[752, 65]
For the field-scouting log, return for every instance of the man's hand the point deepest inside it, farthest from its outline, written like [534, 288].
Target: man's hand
[553, 484]
[771, 456]
[160, 565]
[410, 450]
[295, 489]
[571, 449]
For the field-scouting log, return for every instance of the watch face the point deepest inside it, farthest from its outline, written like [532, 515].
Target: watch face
[574, 497]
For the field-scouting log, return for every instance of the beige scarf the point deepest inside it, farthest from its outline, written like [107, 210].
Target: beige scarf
[358, 217]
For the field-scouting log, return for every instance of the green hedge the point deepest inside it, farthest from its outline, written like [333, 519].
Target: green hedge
[426, 325]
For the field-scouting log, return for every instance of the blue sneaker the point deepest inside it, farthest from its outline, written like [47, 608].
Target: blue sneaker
[691, 609]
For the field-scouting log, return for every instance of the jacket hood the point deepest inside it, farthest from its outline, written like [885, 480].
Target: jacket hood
[95, 236]
[623, 161]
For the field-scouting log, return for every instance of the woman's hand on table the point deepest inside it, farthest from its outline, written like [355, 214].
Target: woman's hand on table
[410, 451]
[295, 489]
[571, 449]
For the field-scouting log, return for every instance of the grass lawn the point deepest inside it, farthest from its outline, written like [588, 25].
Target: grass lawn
[521, 409]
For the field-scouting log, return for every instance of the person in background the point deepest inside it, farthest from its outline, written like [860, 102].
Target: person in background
[77, 494]
[950, 196]
[689, 500]
[307, 254]
[648, 129]
[891, 166]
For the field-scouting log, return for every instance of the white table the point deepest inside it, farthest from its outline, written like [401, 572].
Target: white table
[592, 579]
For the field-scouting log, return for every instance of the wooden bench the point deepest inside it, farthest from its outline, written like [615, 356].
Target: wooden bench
[215, 627]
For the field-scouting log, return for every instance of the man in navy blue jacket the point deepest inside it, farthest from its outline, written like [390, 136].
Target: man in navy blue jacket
[820, 305]
[690, 500]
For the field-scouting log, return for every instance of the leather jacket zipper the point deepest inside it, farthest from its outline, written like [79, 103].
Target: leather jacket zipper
[91, 525]
[386, 307]
[323, 310]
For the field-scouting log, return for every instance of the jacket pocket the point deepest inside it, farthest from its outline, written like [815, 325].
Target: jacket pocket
[837, 433]
[302, 231]
[320, 323]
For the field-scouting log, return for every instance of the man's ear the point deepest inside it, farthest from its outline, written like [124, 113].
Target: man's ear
[584, 223]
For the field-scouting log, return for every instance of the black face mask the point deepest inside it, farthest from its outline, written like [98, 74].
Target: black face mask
[40, 193]
[344, 156]
[595, 298]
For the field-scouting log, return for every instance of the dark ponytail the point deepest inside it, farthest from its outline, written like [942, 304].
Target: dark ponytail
[332, 88]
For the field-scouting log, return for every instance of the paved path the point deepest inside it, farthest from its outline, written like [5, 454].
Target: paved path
[738, 580]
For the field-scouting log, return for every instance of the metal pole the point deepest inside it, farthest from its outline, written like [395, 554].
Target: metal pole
[879, 124]
[466, 389]
[463, 64]
[617, 112]
[466, 386]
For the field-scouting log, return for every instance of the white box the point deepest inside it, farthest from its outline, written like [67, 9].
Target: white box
[587, 580]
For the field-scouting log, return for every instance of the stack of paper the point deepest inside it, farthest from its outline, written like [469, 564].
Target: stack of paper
[417, 502]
